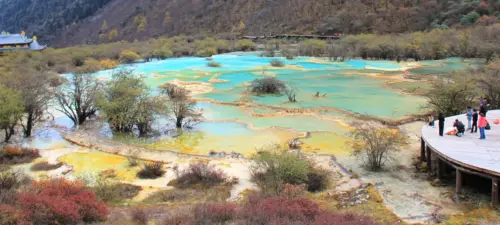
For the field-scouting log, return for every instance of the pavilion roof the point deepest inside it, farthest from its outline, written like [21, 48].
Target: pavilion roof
[14, 39]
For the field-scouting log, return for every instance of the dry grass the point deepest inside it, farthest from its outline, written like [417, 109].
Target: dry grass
[190, 195]
[374, 207]
[482, 216]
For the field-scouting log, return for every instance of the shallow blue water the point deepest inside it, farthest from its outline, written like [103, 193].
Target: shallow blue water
[342, 83]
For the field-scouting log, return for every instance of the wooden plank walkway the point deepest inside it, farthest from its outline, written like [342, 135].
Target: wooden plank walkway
[293, 36]
[468, 151]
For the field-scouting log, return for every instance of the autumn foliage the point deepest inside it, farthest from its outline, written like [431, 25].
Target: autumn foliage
[108, 64]
[300, 211]
[263, 211]
[54, 202]
[16, 155]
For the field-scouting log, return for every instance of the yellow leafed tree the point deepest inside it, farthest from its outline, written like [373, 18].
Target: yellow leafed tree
[104, 26]
[113, 34]
[241, 26]
[142, 25]
[167, 18]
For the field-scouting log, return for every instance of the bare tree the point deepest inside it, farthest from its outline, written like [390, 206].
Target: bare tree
[268, 85]
[77, 97]
[147, 108]
[374, 144]
[488, 83]
[181, 106]
[35, 90]
[290, 91]
[174, 91]
[184, 112]
[449, 96]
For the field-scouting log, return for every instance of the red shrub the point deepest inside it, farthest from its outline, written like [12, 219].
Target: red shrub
[215, 213]
[283, 211]
[61, 202]
[278, 210]
[14, 155]
[10, 215]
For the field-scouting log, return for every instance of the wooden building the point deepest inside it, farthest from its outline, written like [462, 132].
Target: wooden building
[18, 42]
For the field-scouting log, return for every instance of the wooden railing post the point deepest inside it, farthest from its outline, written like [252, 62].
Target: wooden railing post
[458, 187]
[494, 191]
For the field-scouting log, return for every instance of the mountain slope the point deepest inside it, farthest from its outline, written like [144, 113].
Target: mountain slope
[69, 22]
[43, 17]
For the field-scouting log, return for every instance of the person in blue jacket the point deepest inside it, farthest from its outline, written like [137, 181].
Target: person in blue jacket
[469, 117]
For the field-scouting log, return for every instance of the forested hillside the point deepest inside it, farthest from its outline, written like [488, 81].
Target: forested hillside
[67, 22]
[45, 17]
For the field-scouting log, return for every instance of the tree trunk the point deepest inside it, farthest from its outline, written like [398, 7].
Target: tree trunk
[178, 123]
[29, 125]
[81, 118]
[9, 131]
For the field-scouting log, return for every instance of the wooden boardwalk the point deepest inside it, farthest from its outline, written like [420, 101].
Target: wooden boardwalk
[293, 36]
[466, 154]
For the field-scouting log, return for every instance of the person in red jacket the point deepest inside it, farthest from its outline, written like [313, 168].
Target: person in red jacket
[482, 126]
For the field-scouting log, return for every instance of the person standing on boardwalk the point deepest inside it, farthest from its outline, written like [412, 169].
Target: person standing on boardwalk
[482, 126]
[441, 124]
[475, 117]
[469, 117]
[483, 109]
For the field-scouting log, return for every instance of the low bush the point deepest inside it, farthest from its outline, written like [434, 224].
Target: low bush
[140, 217]
[300, 211]
[13, 179]
[274, 168]
[312, 47]
[60, 202]
[245, 45]
[129, 56]
[279, 210]
[291, 191]
[108, 64]
[317, 180]
[268, 85]
[10, 215]
[45, 166]
[268, 53]
[202, 174]
[151, 170]
[14, 155]
[277, 63]
[111, 191]
[213, 64]
[10, 181]
[206, 52]
[261, 211]
[179, 216]
[208, 214]
[288, 54]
